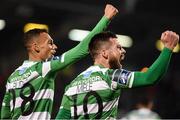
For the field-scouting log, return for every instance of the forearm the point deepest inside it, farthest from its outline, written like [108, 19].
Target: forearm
[81, 50]
[101, 26]
[155, 71]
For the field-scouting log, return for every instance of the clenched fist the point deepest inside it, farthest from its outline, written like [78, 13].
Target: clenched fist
[170, 39]
[110, 11]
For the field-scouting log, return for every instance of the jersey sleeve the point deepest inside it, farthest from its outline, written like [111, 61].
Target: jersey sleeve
[5, 110]
[64, 111]
[120, 78]
[155, 71]
[81, 50]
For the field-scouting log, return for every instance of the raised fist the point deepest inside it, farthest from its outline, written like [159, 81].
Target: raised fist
[110, 11]
[170, 39]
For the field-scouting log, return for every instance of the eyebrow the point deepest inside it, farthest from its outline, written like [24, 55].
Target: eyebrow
[51, 40]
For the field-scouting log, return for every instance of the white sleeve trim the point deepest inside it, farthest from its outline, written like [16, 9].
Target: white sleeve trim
[131, 80]
[62, 57]
[46, 68]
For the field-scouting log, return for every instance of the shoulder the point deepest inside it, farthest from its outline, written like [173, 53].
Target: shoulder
[94, 70]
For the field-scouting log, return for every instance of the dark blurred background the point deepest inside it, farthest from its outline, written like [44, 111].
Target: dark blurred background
[142, 20]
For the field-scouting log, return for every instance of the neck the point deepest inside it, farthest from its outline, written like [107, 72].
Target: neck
[102, 62]
[34, 57]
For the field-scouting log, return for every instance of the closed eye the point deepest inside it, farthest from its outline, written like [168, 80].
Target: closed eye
[50, 42]
[119, 47]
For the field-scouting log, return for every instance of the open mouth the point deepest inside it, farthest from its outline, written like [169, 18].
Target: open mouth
[53, 52]
[122, 57]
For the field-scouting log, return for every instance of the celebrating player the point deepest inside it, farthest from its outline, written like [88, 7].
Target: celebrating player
[94, 94]
[30, 88]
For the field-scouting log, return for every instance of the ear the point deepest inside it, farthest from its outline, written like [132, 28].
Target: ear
[105, 54]
[36, 47]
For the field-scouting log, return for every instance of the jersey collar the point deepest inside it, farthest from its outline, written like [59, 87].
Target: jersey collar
[101, 66]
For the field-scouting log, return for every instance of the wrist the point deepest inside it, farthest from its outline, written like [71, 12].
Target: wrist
[167, 49]
[108, 16]
[171, 47]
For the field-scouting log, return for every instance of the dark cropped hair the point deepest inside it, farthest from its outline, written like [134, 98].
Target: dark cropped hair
[31, 34]
[98, 40]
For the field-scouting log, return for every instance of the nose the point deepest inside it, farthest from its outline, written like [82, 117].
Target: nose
[123, 51]
[54, 46]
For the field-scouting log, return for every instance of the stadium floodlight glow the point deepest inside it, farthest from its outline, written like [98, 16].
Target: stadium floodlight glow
[30, 26]
[2, 24]
[160, 46]
[79, 35]
[125, 41]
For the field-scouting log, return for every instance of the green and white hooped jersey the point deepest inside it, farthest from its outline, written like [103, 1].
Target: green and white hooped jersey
[94, 94]
[31, 90]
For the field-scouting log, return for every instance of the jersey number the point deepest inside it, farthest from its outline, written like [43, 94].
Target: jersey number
[85, 102]
[26, 99]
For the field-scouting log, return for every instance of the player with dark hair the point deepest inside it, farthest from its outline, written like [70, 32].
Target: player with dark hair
[30, 88]
[94, 94]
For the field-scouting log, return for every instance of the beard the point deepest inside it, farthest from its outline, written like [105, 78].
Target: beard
[115, 63]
